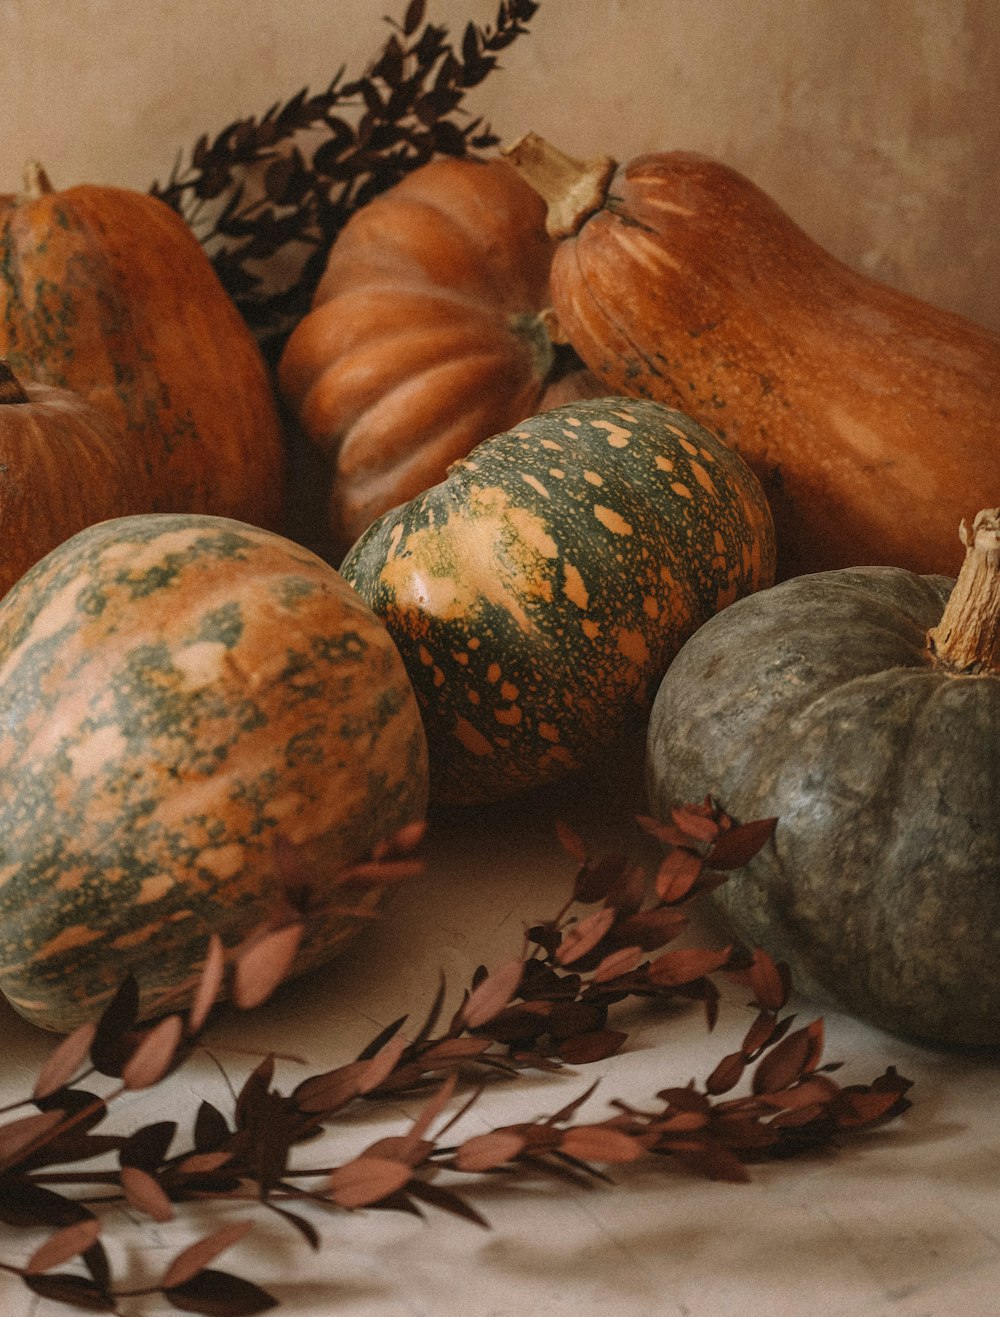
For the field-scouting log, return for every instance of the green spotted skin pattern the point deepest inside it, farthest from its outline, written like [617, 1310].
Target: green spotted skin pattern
[201, 723]
[539, 592]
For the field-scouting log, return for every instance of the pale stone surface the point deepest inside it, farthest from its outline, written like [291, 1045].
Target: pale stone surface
[874, 124]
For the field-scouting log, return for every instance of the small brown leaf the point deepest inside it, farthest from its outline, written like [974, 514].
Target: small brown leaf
[617, 963]
[209, 984]
[596, 1143]
[485, 1152]
[596, 880]
[678, 872]
[64, 1061]
[76, 1291]
[769, 981]
[650, 929]
[67, 1243]
[218, 1294]
[146, 1193]
[377, 1070]
[784, 1064]
[583, 936]
[18, 1135]
[571, 842]
[588, 1047]
[262, 965]
[737, 846]
[198, 1255]
[815, 1091]
[154, 1055]
[367, 1180]
[727, 1074]
[204, 1163]
[675, 968]
[491, 995]
[696, 822]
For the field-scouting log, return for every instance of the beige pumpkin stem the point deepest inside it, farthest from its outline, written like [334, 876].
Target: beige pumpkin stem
[11, 388]
[967, 639]
[574, 189]
[35, 181]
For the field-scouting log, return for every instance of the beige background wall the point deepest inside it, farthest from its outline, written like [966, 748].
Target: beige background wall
[872, 121]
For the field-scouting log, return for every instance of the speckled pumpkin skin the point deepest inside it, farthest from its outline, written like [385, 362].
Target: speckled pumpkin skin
[539, 592]
[107, 292]
[201, 722]
[817, 701]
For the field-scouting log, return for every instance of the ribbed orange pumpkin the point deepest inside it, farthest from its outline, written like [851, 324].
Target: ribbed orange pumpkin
[427, 334]
[869, 416]
[107, 292]
[62, 467]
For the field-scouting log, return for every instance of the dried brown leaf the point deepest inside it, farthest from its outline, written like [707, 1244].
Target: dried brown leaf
[584, 936]
[695, 822]
[367, 1180]
[617, 963]
[491, 995]
[768, 980]
[784, 1064]
[650, 929]
[203, 1163]
[727, 1074]
[67, 1243]
[64, 1062]
[571, 842]
[209, 984]
[377, 1070]
[677, 874]
[218, 1294]
[676, 968]
[146, 1193]
[262, 965]
[738, 845]
[596, 880]
[485, 1152]
[18, 1135]
[154, 1055]
[598, 1143]
[196, 1257]
[588, 1047]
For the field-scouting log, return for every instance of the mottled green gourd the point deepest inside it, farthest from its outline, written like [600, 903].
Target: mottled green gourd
[538, 593]
[861, 707]
[200, 724]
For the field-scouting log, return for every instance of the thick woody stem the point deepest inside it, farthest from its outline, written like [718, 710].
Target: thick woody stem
[11, 388]
[574, 189]
[967, 639]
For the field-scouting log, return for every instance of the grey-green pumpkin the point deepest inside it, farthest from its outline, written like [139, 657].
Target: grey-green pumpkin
[862, 708]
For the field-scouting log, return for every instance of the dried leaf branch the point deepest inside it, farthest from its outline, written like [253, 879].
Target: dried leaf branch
[546, 1010]
[267, 195]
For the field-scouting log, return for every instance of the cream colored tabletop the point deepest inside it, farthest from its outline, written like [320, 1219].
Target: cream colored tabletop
[903, 1222]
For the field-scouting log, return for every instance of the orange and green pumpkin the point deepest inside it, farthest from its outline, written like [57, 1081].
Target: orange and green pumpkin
[202, 725]
[107, 292]
[538, 593]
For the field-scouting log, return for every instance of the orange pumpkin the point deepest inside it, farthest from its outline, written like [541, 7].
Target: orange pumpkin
[868, 415]
[62, 468]
[107, 292]
[428, 334]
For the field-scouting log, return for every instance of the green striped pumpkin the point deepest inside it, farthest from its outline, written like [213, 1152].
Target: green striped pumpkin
[201, 723]
[539, 592]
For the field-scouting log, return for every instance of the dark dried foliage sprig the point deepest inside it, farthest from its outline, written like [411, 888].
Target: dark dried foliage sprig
[545, 1010]
[267, 195]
